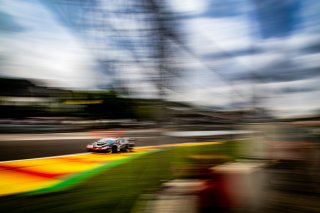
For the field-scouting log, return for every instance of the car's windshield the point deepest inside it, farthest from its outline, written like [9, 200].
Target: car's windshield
[107, 140]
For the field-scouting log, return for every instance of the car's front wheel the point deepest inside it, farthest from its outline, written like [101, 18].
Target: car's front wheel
[114, 149]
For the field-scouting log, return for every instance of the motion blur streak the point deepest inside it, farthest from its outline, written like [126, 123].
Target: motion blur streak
[244, 73]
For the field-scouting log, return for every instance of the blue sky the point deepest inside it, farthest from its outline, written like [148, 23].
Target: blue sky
[246, 48]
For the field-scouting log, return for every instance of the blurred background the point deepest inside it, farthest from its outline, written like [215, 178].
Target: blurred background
[192, 70]
[86, 59]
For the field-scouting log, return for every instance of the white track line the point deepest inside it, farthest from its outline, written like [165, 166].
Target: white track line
[57, 156]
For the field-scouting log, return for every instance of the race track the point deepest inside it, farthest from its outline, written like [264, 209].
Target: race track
[44, 175]
[24, 149]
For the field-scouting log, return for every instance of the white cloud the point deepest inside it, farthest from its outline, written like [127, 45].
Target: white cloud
[295, 84]
[302, 39]
[214, 35]
[308, 61]
[45, 50]
[260, 60]
[31, 15]
[188, 6]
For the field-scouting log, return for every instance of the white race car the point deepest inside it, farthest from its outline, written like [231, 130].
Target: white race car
[113, 145]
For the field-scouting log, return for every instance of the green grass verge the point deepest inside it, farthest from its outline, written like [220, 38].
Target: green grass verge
[116, 189]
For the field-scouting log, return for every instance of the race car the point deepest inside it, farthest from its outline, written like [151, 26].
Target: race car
[113, 145]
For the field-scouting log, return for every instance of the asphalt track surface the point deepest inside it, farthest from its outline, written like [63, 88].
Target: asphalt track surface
[24, 149]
